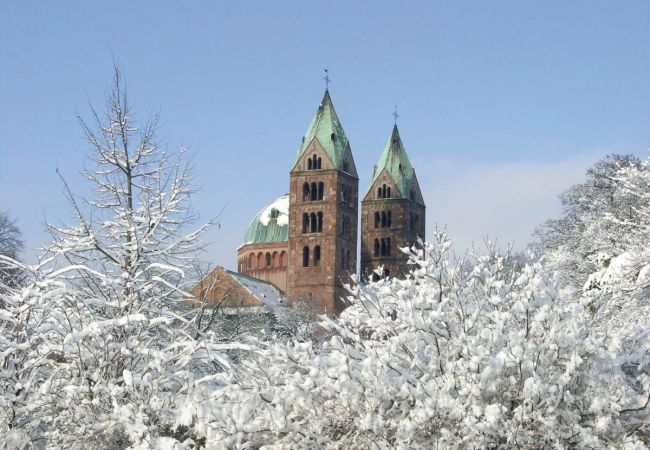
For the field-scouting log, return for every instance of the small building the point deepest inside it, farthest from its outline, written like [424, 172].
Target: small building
[227, 289]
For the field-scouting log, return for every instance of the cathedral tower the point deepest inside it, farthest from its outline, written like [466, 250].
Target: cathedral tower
[323, 211]
[392, 212]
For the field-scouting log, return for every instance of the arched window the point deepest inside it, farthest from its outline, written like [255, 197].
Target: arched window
[383, 219]
[389, 222]
[387, 246]
[313, 223]
[260, 260]
[383, 191]
[314, 192]
[321, 190]
[305, 192]
[379, 192]
[283, 259]
[376, 219]
[251, 261]
[346, 166]
[388, 192]
[320, 222]
[412, 194]
[313, 164]
[376, 249]
[317, 255]
[383, 247]
[319, 163]
[305, 256]
[309, 164]
[347, 259]
[345, 226]
[305, 223]
[268, 259]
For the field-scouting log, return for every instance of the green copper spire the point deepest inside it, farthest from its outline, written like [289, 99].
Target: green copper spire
[394, 160]
[326, 127]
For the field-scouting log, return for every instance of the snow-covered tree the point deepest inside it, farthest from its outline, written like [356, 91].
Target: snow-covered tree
[575, 244]
[96, 352]
[599, 246]
[11, 243]
[467, 353]
[619, 289]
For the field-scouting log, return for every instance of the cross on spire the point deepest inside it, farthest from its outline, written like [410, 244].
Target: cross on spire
[395, 115]
[327, 79]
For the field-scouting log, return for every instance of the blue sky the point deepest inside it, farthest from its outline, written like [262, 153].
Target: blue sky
[503, 104]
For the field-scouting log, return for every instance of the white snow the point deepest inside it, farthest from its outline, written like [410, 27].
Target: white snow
[265, 292]
[282, 206]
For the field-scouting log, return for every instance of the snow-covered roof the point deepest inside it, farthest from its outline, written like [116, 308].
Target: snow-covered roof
[271, 224]
[265, 292]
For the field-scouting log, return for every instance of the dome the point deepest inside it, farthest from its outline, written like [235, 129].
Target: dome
[271, 224]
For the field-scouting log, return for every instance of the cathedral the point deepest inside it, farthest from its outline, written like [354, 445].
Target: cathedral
[305, 242]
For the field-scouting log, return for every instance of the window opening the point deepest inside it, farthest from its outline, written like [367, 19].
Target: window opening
[314, 224]
[314, 192]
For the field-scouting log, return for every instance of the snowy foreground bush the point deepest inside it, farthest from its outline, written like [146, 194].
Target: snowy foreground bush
[466, 354]
[471, 353]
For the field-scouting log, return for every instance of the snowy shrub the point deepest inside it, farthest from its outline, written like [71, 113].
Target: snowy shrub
[467, 353]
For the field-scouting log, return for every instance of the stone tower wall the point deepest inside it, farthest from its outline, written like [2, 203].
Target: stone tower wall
[320, 284]
[404, 230]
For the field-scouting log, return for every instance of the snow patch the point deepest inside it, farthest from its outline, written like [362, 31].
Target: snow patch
[281, 205]
[265, 292]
